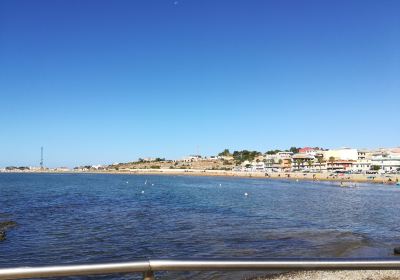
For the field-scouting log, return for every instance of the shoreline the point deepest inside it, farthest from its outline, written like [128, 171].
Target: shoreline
[388, 179]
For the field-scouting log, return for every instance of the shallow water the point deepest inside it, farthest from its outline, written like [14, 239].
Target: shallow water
[84, 218]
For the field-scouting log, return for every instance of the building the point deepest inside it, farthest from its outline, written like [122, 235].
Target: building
[363, 162]
[271, 162]
[303, 161]
[281, 162]
[341, 154]
[340, 165]
[362, 154]
[258, 166]
[387, 163]
[285, 161]
[309, 151]
[192, 158]
[361, 166]
[284, 155]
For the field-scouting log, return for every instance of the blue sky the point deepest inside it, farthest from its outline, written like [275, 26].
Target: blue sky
[111, 81]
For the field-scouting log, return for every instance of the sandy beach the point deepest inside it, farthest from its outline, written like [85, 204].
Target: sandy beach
[345, 180]
[390, 179]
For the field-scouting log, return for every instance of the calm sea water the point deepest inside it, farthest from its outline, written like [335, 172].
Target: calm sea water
[84, 218]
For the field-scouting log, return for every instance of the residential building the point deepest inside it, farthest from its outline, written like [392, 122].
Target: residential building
[192, 158]
[387, 163]
[302, 161]
[309, 151]
[281, 161]
[258, 166]
[284, 155]
[341, 154]
[340, 165]
[361, 166]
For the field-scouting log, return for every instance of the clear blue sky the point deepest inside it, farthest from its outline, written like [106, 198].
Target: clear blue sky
[111, 81]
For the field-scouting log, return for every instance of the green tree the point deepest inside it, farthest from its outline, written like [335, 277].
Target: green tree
[294, 150]
[273, 152]
[225, 153]
[320, 161]
[241, 156]
[299, 162]
[375, 167]
[331, 160]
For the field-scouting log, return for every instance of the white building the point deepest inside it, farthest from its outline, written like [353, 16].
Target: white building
[361, 166]
[341, 154]
[284, 155]
[258, 166]
[192, 158]
[387, 163]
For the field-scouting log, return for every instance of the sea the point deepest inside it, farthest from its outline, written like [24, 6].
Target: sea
[98, 218]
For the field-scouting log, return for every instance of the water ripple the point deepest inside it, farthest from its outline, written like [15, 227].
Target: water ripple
[65, 219]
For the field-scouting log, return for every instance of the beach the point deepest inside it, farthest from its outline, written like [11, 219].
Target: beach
[390, 179]
[345, 180]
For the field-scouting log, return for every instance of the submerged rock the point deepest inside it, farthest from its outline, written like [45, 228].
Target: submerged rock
[6, 225]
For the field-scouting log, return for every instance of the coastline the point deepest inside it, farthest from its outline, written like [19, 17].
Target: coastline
[346, 179]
